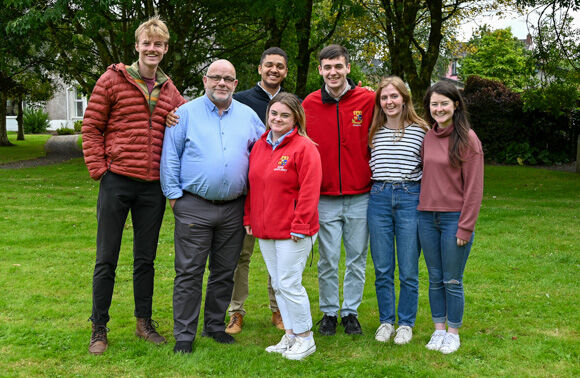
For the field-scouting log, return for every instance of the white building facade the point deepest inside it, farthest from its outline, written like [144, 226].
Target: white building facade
[67, 106]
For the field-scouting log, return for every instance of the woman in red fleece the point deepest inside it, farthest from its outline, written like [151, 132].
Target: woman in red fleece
[451, 193]
[282, 212]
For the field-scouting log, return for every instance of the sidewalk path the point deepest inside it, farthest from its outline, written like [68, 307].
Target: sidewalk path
[58, 148]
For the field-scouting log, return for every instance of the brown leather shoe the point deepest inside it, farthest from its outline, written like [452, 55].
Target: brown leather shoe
[146, 330]
[277, 320]
[99, 341]
[235, 324]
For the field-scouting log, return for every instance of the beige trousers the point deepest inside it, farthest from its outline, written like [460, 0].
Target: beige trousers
[241, 285]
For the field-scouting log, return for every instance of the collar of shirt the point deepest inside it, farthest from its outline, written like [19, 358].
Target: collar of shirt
[276, 143]
[268, 93]
[342, 94]
[213, 108]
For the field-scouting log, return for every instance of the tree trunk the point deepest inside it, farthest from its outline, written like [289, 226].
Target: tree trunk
[578, 155]
[3, 134]
[410, 60]
[303, 30]
[276, 32]
[19, 120]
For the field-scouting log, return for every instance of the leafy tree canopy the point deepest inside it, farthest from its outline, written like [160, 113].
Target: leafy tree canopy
[498, 55]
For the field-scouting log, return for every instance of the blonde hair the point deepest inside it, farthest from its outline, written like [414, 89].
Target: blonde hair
[292, 102]
[408, 114]
[153, 27]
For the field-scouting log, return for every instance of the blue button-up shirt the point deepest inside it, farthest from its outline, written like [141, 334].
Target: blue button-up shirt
[276, 143]
[208, 154]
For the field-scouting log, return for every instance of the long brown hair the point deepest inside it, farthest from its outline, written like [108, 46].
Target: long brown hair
[296, 108]
[408, 114]
[459, 138]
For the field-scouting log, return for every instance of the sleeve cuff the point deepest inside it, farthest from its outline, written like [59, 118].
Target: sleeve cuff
[463, 234]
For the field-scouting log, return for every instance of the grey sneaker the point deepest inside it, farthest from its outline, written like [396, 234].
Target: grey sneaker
[301, 348]
[450, 343]
[384, 332]
[436, 340]
[404, 335]
[282, 346]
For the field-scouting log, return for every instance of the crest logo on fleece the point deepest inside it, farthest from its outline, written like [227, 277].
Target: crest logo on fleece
[282, 163]
[357, 118]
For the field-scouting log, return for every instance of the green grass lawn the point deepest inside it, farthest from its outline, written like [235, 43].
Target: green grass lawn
[522, 314]
[30, 148]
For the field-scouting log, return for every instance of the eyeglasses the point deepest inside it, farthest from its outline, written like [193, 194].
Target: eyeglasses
[218, 78]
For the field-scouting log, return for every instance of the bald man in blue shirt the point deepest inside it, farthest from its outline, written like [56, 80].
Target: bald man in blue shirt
[204, 168]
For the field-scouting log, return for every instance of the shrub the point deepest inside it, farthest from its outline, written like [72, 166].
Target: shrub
[520, 153]
[35, 121]
[557, 135]
[516, 134]
[495, 113]
[65, 131]
[78, 126]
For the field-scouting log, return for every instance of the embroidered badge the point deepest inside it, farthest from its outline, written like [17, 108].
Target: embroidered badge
[357, 118]
[282, 163]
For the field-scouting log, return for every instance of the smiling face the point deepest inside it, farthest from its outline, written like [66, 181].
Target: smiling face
[220, 83]
[273, 70]
[334, 72]
[280, 119]
[442, 109]
[151, 50]
[391, 101]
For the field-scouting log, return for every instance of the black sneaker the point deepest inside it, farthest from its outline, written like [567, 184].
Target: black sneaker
[219, 336]
[351, 325]
[327, 325]
[184, 347]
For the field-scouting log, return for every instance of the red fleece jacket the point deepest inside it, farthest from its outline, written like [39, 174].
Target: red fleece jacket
[284, 188]
[341, 130]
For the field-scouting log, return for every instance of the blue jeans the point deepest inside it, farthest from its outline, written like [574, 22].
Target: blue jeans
[445, 263]
[342, 218]
[392, 215]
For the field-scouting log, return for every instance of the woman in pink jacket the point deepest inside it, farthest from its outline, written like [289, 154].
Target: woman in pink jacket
[282, 212]
[451, 193]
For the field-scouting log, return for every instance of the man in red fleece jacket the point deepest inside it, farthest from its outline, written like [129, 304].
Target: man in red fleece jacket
[338, 117]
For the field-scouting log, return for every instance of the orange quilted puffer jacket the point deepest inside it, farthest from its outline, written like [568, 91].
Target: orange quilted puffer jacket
[119, 132]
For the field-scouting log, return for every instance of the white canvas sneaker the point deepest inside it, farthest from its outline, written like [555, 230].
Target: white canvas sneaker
[450, 343]
[384, 332]
[436, 340]
[302, 347]
[282, 346]
[404, 335]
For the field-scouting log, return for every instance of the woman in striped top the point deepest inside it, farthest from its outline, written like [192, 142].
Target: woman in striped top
[395, 139]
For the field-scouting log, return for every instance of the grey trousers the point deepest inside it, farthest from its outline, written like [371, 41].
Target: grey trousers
[203, 230]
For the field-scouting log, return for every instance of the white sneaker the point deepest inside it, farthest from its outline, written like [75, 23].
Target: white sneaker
[436, 340]
[301, 348]
[450, 343]
[404, 335]
[283, 345]
[384, 332]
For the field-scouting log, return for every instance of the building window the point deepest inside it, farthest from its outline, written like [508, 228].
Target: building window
[11, 108]
[454, 68]
[80, 103]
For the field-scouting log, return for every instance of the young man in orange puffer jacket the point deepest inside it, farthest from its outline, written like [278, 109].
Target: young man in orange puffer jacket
[123, 132]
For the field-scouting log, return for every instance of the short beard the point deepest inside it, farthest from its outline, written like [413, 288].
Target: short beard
[219, 101]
